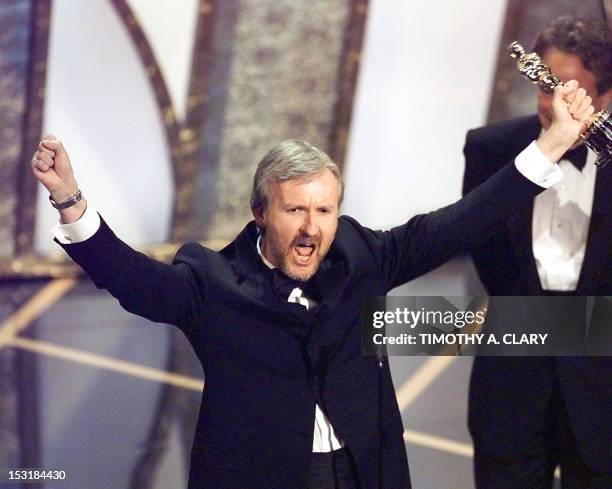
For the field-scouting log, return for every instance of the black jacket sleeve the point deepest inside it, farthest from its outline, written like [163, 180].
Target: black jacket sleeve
[157, 291]
[486, 150]
[478, 167]
[428, 240]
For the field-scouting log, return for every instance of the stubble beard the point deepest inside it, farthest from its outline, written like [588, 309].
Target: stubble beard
[283, 258]
[300, 277]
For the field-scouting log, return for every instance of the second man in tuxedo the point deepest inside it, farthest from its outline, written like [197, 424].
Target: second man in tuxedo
[529, 414]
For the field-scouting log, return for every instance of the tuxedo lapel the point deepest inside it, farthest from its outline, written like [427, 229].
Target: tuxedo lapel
[520, 225]
[597, 251]
[328, 285]
[603, 187]
[329, 281]
[520, 236]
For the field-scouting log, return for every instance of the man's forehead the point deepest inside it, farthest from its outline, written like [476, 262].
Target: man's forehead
[322, 185]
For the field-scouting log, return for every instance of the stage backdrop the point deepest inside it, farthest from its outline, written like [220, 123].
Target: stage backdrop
[166, 109]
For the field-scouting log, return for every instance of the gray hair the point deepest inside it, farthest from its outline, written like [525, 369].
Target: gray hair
[292, 158]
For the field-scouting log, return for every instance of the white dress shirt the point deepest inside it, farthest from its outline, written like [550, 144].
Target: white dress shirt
[560, 226]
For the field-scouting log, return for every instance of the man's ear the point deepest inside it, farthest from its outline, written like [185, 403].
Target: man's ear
[258, 214]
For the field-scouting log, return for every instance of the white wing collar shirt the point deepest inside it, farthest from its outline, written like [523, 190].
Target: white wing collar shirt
[560, 226]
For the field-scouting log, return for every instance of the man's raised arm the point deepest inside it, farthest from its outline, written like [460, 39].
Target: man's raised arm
[160, 292]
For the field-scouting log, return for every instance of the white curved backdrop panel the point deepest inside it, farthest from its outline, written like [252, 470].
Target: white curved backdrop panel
[101, 105]
[171, 29]
[426, 76]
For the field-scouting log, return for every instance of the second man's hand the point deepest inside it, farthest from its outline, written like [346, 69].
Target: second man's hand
[571, 108]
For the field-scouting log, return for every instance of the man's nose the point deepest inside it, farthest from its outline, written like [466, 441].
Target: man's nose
[309, 225]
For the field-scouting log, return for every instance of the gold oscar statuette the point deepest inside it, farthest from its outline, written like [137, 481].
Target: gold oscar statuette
[598, 134]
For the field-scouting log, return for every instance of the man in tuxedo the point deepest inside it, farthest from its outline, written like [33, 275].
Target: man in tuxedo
[289, 401]
[528, 414]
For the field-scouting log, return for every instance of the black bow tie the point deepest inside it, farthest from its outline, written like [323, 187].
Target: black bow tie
[577, 156]
[283, 285]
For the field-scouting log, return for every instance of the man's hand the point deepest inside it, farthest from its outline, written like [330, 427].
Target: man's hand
[51, 166]
[571, 108]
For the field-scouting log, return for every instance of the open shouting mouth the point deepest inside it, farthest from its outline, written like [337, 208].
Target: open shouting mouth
[304, 252]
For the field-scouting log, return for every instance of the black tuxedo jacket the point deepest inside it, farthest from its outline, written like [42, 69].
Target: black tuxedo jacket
[267, 361]
[509, 395]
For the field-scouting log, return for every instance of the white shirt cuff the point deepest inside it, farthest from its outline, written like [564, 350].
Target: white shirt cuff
[535, 166]
[75, 232]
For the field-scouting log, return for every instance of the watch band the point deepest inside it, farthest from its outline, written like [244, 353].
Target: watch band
[68, 202]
